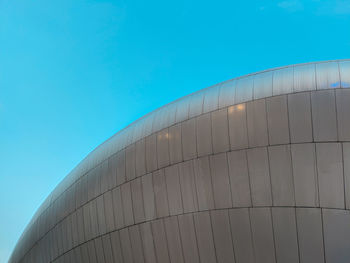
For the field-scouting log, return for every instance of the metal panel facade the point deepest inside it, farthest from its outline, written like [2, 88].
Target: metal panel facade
[255, 169]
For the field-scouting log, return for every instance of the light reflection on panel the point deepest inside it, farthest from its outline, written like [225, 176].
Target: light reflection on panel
[282, 81]
[244, 89]
[211, 99]
[227, 93]
[304, 78]
[327, 75]
[344, 68]
[196, 104]
[263, 85]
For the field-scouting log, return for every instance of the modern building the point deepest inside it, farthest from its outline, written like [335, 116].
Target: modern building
[254, 169]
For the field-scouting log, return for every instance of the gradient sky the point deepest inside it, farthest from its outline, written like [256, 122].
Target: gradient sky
[72, 73]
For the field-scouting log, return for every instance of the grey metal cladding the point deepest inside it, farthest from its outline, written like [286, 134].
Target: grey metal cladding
[330, 175]
[299, 114]
[222, 236]
[310, 235]
[336, 235]
[204, 134]
[259, 174]
[285, 233]
[257, 123]
[238, 131]
[242, 235]
[254, 169]
[188, 238]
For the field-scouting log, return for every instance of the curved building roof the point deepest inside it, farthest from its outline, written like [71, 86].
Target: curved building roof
[278, 81]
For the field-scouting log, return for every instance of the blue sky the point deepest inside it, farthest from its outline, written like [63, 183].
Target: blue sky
[72, 73]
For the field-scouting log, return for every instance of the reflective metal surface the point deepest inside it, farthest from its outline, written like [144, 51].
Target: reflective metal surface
[254, 169]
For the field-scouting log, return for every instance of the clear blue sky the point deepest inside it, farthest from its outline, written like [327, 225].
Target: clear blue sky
[72, 73]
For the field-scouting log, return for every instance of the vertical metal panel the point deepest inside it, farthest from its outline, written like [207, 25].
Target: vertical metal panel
[148, 197]
[118, 208]
[343, 113]
[281, 175]
[126, 245]
[282, 81]
[204, 143]
[148, 243]
[221, 182]
[227, 93]
[173, 238]
[107, 248]
[242, 235]
[182, 109]
[78, 193]
[300, 121]
[175, 146]
[285, 232]
[244, 89]
[136, 244]
[160, 193]
[85, 253]
[257, 123]
[305, 174]
[277, 120]
[160, 241]
[140, 157]
[63, 235]
[173, 189]
[310, 239]
[151, 153]
[346, 160]
[344, 68]
[211, 99]
[108, 204]
[94, 219]
[79, 226]
[262, 233]
[137, 200]
[330, 175]
[304, 77]
[130, 162]
[239, 178]
[188, 238]
[78, 257]
[84, 196]
[87, 221]
[92, 252]
[203, 183]
[127, 204]
[222, 236]
[336, 235]
[171, 113]
[258, 168]
[263, 85]
[159, 121]
[324, 115]
[237, 123]
[188, 187]
[196, 104]
[91, 184]
[188, 135]
[104, 176]
[121, 167]
[163, 148]
[327, 75]
[99, 250]
[102, 227]
[116, 247]
[219, 128]
[112, 171]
